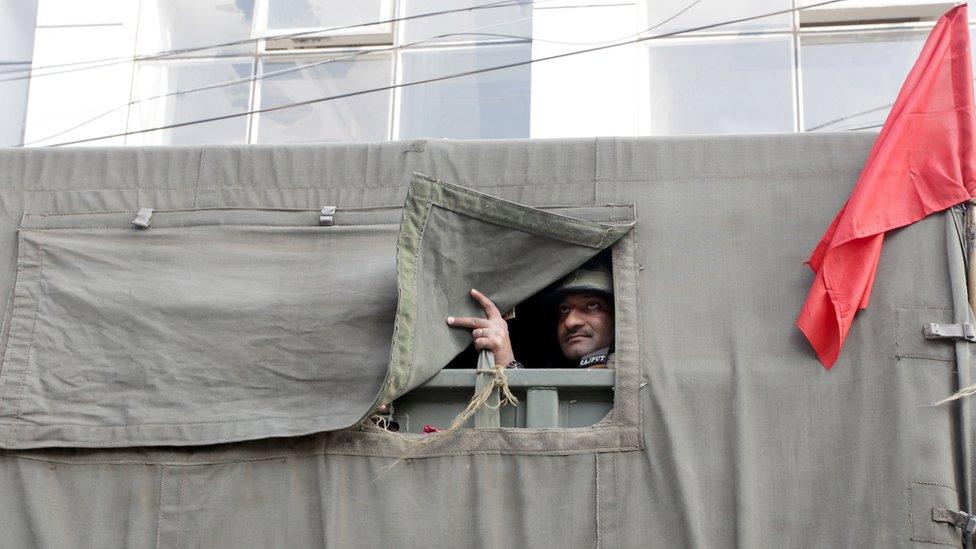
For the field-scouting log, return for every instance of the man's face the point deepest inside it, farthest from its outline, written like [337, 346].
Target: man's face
[584, 324]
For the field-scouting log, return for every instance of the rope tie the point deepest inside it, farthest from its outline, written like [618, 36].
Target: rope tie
[498, 380]
[960, 394]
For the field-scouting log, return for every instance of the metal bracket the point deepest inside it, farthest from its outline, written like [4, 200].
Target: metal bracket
[960, 519]
[965, 331]
[143, 218]
[327, 216]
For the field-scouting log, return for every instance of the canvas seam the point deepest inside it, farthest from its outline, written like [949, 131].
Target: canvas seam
[614, 145]
[116, 189]
[18, 278]
[323, 229]
[596, 469]
[196, 187]
[192, 210]
[655, 178]
[596, 168]
[616, 494]
[579, 178]
[416, 284]
[159, 512]
[411, 265]
[520, 441]
[407, 263]
[179, 508]
[626, 252]
[189, 462]
[6, 324]
[164, 423]
[30, 345]
[583, 180]
[575, 179]
[638, 338]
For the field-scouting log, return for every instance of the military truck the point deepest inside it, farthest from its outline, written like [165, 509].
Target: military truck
[241, 346]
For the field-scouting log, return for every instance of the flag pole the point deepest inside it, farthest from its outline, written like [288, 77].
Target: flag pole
[971, 253]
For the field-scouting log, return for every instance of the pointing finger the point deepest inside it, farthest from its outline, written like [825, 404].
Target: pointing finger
[486, 304]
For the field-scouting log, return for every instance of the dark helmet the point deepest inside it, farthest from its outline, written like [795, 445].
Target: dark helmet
[592, 277]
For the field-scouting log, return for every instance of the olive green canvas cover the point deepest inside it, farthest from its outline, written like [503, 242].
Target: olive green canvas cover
[726, 431]
[227, 324]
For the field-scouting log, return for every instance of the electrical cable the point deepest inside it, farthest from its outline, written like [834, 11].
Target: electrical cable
[254, 78]
[848, 117]
[855, 115]
[448, 77]
[106, 62]
[503, 3]
[248, 79]
[858, 128]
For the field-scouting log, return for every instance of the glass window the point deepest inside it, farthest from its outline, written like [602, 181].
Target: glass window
[154, 79]
[360, 118]
[69, 105]
[176, 24]
[13, 95]
[866, 12]
[490, 105]
[290, 14]
[16, 48]
[721, 86]
[17, 21]
[851, 80]
[610, 89]
[506, 19]
[707, 13]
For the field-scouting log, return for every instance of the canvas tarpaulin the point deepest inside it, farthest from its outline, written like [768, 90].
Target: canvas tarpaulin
[452, 240]
[745, 440]
[220, 325]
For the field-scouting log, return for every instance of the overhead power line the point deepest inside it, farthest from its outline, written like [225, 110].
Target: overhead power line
[33, 72]
[354, 55]
[450, 76]
[858, 128]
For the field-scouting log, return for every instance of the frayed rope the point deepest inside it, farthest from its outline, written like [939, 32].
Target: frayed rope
[958, 395]
[480, 399]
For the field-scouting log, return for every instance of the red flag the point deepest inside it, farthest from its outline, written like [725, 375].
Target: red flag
[923, 162]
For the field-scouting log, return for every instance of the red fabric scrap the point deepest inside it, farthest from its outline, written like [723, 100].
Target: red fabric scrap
[922, 162]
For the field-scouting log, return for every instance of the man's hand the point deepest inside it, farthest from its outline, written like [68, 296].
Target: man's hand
[488, 333]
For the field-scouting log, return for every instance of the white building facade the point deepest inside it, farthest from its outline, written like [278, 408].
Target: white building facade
[112, 72]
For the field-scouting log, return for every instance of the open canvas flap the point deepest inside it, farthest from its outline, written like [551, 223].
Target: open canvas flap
[454, 239]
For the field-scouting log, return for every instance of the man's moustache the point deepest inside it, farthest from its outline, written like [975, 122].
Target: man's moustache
[574, 333]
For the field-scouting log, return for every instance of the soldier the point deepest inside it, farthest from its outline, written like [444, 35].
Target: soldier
[582, 304]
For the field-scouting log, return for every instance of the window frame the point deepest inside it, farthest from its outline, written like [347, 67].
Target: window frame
[619, 430]
[302, 57]
[366, 35]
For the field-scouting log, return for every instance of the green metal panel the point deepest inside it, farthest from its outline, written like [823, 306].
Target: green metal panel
[549, 397]
[557, 378]
[542, 404]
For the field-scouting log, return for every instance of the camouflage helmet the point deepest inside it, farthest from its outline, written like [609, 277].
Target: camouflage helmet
[592, 277]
